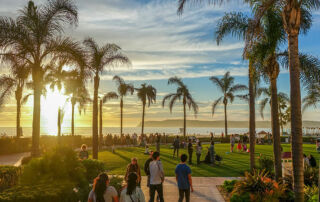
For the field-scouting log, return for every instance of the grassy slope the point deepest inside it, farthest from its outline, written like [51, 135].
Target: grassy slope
[234, 164]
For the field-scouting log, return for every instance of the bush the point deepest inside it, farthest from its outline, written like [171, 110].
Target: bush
[9, 176]
[266, 163]
[61, 191]
[311, 176]
[240, 198]
[59, 164]
[93, 168]
[259, 186]
[311, 193]
[228, 185]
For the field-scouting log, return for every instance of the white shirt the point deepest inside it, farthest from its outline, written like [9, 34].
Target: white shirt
[108, 194]
[137, 196]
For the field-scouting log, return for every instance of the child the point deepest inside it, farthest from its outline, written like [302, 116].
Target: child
[239, 146]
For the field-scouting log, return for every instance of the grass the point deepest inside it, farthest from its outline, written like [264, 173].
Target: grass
[233, 165]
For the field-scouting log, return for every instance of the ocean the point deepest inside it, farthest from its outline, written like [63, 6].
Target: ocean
[87, 131]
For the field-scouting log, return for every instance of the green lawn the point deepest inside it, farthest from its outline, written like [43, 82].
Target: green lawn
[234, 164]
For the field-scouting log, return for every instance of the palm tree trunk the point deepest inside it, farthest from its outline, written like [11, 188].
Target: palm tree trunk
[291, 20]
[252, 117]
[142, 122]
[296, 119]
[275, 129]
[59, 124]
[95, 118]
[36, 113]
[100, 128]
[121, 114]
[72, 118]
[184, 120]
[18, 99]
[225, 120]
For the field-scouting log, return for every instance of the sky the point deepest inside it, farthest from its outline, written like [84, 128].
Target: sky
[160, 44]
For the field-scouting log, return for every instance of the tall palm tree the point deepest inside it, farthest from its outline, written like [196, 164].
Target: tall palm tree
[35, 38]
[16, 82]
[238, 25]
[187, 100]
[227, 87]
[146, 93]
[99, 59]
[123, 90]
[292, 11]
[106, 97]
[75, 87]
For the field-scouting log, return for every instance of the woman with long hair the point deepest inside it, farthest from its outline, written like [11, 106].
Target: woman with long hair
[132, 193]
[101, 191]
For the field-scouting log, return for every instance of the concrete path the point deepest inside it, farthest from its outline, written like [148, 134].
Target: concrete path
[13, 159]
[205, 189]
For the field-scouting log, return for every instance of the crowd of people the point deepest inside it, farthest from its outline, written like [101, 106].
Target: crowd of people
[132, 192]
[134, 139]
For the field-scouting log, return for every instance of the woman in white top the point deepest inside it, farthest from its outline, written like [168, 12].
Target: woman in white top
[132, 193]
[101, 191]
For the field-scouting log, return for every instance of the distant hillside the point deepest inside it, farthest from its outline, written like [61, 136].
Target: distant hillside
[216, 124]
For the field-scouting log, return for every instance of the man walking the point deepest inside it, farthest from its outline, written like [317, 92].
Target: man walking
[190, 151]
[146, 168]
[156, 177]
[176, 146]
[184, 180]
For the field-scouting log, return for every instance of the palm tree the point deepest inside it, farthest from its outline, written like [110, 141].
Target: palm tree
[187, 100]
[35, 38]
[75, 87]
[312, 98]
[292, 11]
[146, 93]
[227, 87]
[123, 90]
[106, 97]
[15, 82]
[99, 59]
[238, 25]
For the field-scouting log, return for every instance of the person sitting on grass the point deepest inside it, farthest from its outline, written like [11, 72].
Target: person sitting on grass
[146, 151]
[83, 154]
[133, 167]
[101, 191]
[239, 147]
[132, 193]
[183, 178]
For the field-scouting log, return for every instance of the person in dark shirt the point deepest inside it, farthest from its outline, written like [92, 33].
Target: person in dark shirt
[176, 146]
[183, 178]
[147, 169]
[312, 161]
[83, 154]
[190, 151]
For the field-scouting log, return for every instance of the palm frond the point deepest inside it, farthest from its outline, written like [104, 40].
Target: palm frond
[25, 98]
[109, 96]
[215, 104]
[263, 104]
[167, 97]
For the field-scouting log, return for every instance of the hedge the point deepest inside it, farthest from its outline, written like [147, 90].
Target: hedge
[9, 176]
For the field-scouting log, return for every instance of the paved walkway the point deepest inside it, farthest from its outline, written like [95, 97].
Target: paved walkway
[13, 159]
[205, 189]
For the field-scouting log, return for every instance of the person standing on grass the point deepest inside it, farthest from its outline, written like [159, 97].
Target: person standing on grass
[156, 177]
[146, 168]
[183, 178]
[101, 191]
[176, 146]
[232, 142]
[198, 152]
[132, 193]
[133, 167]
[212, 152]
[190, 151]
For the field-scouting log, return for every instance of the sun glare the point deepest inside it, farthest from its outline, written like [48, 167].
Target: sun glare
[49, 112]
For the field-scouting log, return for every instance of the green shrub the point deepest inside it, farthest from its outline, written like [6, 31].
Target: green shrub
[266, 163]
[228, 185]
[311, 176]
[311, 192]
[59, 164]
[61, 191]
[260, 187]
[240, 198]
[93, 168]
[9, 176]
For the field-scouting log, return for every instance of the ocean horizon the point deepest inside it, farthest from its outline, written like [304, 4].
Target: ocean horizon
[86, 131]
